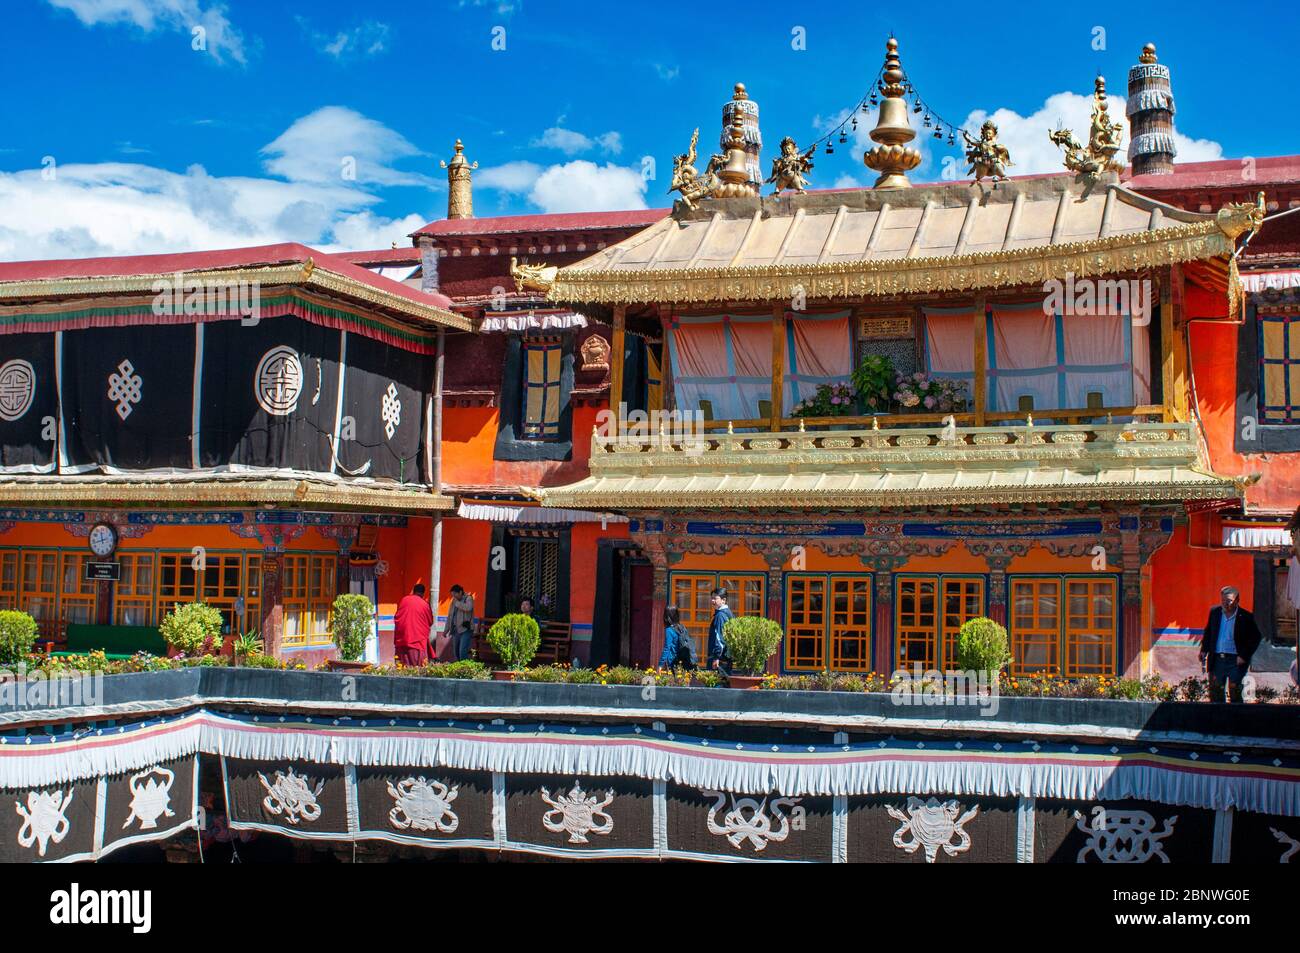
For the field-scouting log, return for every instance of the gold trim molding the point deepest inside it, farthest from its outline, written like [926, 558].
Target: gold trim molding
[854, 280]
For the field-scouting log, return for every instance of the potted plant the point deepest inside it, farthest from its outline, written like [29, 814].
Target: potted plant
[925, 395]
[874, 379]
[830, 400]
[750, 641]
[350, 620]
[514, 638]
[982, 647]
[192, 628]
[246, 646]
[18, 632]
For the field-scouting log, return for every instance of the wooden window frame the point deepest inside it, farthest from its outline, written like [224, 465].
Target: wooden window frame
[696, 620]
[1064, 638]
[829, 654]
[310, 605]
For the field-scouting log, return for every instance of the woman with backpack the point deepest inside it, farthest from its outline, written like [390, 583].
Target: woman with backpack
[679, 648]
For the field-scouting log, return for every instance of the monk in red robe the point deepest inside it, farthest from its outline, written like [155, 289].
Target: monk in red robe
[411, 624]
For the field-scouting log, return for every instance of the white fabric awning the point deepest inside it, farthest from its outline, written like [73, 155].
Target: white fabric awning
[505, 513]
[1256, 537]
[1255, 281]
[532, 321]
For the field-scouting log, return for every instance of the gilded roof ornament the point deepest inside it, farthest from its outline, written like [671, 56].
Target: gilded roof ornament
[987, 157]
[532, 277]
[892, 158]
[734, 178]
[1238, 217]
[460, 189]
[790, 167]
[1104, 138]
[687, 179]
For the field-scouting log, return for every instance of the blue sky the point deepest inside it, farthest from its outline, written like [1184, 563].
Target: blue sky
[120, 137]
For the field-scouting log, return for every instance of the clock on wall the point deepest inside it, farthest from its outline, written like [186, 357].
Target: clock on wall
[103, 539]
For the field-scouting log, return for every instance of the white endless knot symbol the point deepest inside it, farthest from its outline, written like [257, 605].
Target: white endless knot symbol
[17, 389]
[391, 411]
[278, 381]
[125, 387]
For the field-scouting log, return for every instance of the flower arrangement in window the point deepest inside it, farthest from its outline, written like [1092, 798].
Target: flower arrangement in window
[921, 394]
[874, 379]
[831, 400]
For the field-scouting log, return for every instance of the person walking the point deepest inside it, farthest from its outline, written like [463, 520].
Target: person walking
[411, 625]
[1228, 641]
[679, 647]
[460, 622]
[722, 614]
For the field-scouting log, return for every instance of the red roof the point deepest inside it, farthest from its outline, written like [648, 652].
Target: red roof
[1223, 173]
[557, 222]
[222, 259]
[382, 256]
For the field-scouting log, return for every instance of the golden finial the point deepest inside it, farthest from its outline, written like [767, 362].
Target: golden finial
[892, 158]
[460, 188]
[875, 423]
[1148, 54]
[307, 268]
[729, 430]
[738, 92]
[1029, 420]
[734, 175]
[801, 429]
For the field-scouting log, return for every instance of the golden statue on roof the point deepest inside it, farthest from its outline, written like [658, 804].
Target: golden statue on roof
[532, 277]
[687, 179]
[790, 167]
[1104, 139]
[987, 157]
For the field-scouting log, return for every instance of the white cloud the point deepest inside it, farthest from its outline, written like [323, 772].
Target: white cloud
[220, 38]
[582, 186]
[572, 142]
[1031, 150]
[366, 39]
[514, 177]
[334, 142]
[120, 208]
[667, 73]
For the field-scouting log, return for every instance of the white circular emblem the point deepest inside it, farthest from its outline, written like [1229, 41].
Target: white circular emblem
[17, 389]
[278, 381]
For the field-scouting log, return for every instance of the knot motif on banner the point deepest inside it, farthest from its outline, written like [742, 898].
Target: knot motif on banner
[125, 387]
[17, 388]
[1123, 837]
[277, 382]
[391, 410]
[932, 824]
[44, 819]
[748, 820]
[292, 796]
[577, 813]
[423, 805]
[152, 798]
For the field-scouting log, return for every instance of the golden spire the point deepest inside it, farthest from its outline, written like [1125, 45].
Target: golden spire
[735, 174]
[893, 159]
[1148, 54]
[460, 188]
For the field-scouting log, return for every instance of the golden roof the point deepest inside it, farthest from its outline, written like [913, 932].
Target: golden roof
[291, 492]
[897, 467]
[853, 244]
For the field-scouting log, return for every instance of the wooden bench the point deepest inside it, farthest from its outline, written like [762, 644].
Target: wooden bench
[555, 646]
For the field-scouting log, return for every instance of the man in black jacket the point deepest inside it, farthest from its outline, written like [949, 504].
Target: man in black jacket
[1228, 641]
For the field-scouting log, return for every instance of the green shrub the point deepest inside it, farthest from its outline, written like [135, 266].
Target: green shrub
[350, 622]
[247, 644]
[466, 668]
[18, 633]
[982, 647]
[192, 627]
[751, 641]
[515, 638]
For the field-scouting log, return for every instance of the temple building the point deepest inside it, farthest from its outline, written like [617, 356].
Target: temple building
[248, 428]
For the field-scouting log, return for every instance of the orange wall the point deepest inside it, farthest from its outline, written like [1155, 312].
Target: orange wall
[1214, 367]
[469, 435]
[1186, 581]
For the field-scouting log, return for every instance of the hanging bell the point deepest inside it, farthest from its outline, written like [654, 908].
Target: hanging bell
[844, 137]
[873, 100]
[938, 133]
[927, 120]
[952, 140]
[917, 107]
[855, 123]
[830, 149]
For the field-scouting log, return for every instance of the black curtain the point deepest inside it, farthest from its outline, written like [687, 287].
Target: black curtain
[128, 396]
[28, 400]
[270, 394]
[383, 394]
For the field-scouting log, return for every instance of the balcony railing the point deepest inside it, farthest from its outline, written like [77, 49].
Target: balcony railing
[1081, 445]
